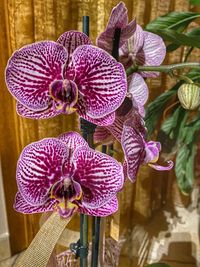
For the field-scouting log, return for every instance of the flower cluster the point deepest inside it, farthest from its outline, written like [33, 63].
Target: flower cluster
[48, 78]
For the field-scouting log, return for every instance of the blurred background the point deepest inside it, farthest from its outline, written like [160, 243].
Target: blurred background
[156, 222]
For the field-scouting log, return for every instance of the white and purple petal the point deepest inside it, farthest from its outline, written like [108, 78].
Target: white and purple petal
[100, 79]
[39, 167]
[73, 140]
[152, 54]
[107, 209]
[31, 70]
[22, 206]
[157, 167]
[138, 91]
[102, 135]
[99, 175]
[32, 114]
[152, 150]
[133, 147]
[71, 40]
[118, 20]
[128, 52]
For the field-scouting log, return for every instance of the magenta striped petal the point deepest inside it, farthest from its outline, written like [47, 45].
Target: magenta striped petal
[128, 52]
[71, 40]
[73, 140]
[104, 121]
[31, 114]
[133, 147]
[138, 91]
[102, 135]
[99, 175]
[39, 167]
[22, 206]
[101, 80]
[30, 71]
[157, 167]
[105, 210]
[118, 19]
[152, 53]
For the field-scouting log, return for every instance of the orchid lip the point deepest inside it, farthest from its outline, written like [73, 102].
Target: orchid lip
[66, 193]
[64, 94]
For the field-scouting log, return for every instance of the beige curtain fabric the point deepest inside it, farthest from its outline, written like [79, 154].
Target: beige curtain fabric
[23, 22]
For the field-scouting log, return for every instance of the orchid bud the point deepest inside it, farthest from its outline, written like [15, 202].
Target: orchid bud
[189, 95]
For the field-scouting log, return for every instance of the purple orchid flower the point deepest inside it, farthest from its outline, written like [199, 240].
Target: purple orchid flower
[143, 49]
[128, 128]
[118, 20]
[49, 78]
[65, 174]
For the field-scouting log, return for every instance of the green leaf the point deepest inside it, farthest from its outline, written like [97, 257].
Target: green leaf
[195, 33]
[189, 132]
[195, 2]
[174, 20]
[155, 108]
[184, 167]
[179, 38]
[157, 265]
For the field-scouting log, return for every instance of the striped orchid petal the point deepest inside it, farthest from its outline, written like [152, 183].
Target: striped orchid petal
[39, 167]
[31, 114]
[103, 135]
[32, 69]
[152, 54]
[138, 91]
[71, 40]
[73, 140]
[100, 176]
[105, 210]
[103, 121]
[101, 80]
[133, 147]
[118, 20]
[22, 206]
[128, 52]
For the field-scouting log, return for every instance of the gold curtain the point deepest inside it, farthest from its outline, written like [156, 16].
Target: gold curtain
[26, 21]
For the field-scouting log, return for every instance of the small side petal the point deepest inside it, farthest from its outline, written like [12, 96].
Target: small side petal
[22, 206]
[138, 91]
[133, 147]
[99, 175]
[102, 135]
[32, 69]
[105, 210]
[152, 54]
[162, 168]
[100, 79]
[32, 114]
[71, 40]
[39, 167]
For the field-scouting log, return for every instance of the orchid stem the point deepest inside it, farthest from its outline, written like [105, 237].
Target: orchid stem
[95, 240]
[83, 238]
[83, 217]
[164, 68]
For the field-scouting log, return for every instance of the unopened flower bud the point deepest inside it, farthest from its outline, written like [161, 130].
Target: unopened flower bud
[189, 95]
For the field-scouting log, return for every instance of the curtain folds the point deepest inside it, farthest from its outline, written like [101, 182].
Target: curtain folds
[23, 22]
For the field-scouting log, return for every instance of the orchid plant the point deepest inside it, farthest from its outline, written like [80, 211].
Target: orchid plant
[105, 85]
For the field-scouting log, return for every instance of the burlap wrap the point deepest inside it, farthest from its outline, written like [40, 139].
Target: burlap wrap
[40, 249]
